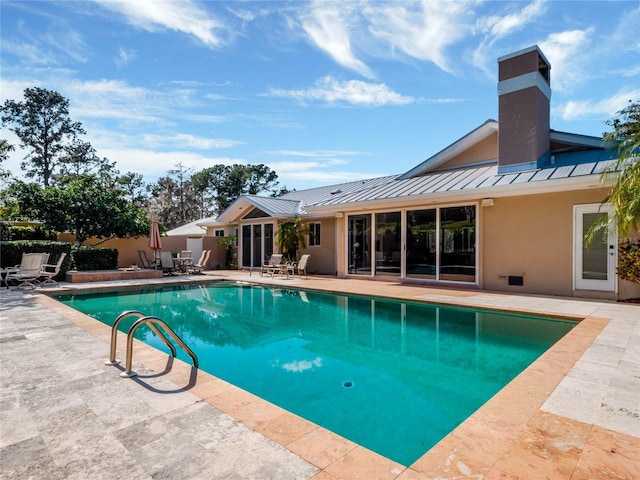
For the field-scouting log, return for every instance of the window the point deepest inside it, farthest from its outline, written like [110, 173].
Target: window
[218, 232]
[314, 234]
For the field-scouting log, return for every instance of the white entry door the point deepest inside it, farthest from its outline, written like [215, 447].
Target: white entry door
[595, 263]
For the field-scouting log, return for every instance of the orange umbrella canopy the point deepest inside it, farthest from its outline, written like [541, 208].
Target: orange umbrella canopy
[155, 243]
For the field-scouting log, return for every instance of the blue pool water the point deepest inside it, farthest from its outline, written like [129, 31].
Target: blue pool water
[395, 377]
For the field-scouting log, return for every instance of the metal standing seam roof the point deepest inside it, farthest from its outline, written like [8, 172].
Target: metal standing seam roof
[275, 206]
[469, 179]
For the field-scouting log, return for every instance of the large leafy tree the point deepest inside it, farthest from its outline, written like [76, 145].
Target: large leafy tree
[87, 205]
[219, 186]
[45, 129]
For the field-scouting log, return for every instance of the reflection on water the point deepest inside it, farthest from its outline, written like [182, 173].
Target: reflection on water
[414, 371]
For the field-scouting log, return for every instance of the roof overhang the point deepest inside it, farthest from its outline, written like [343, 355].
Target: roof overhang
[586, 182]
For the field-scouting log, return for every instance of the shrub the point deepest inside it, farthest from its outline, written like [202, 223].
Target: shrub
[88, 258]
[629, 260]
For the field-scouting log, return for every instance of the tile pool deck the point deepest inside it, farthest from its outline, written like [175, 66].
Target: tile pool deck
[573, 414]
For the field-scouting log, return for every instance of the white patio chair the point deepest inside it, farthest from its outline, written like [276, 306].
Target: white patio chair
[29, 270]
[49, 271]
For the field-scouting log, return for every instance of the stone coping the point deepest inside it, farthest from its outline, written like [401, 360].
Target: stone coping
[108, 275]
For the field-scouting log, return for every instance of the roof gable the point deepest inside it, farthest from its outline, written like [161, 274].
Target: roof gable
[458, 148]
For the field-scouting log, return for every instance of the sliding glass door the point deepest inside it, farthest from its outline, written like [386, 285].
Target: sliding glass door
[257, 244]
[421, 244]
[458, 244]
[388, 244]
[432, 244]
[359, 251]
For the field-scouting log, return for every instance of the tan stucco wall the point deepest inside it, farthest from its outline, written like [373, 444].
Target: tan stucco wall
[128, 247]
[486, 149]
[323, 258]
[531, 236]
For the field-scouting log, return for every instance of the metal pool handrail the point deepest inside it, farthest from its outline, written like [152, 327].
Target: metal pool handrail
[114, 334]
[151, 321]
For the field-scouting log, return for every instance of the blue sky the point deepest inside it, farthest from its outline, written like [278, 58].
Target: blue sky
[321, 92]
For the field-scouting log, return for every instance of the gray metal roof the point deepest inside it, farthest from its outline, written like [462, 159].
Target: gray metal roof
[318, 194]
[472, 178]
[274, 206]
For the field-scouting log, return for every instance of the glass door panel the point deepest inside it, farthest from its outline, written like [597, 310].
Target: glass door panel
[257, 246]
[388, 244]
[246, 245]
[457, 244]
[595, 261]
[359, 260]
[421, 243]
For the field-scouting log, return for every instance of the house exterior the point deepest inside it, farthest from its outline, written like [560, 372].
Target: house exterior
[503, 208]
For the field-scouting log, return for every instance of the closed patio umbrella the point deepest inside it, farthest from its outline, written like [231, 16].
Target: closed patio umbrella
[155, 243]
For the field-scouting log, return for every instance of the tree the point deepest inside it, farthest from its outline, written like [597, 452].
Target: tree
[43, 125]
[290, 237]
[80, 158]
[625, 191]
[174, 202]
[5, 148]
[87, 205]
[134, 187]
[245, 180]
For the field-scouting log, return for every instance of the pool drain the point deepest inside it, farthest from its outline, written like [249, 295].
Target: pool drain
[348, 384]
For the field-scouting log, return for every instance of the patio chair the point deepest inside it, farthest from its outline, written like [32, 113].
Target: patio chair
[301, 266]
[143, 259]
[202, 262]
[29, 270]
[50, 271]
[167, 263]
[272, 266]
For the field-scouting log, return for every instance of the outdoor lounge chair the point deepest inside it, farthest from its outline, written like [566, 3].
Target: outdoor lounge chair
[167, 263]
[143, 259]
[29, 270]
[49, 271]
[202, 262]
[301, 266]
[272, 266]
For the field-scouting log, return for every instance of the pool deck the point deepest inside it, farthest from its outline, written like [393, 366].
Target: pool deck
[573, 414]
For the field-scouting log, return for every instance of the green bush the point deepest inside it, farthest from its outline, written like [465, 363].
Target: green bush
[88, 258]
[11, 253]
[9, 232]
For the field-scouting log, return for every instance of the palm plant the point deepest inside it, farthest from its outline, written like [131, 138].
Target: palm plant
[290, 238]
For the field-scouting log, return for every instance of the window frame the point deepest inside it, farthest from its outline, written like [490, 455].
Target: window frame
[315, 236]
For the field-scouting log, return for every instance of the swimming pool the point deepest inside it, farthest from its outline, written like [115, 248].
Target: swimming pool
[395, 377]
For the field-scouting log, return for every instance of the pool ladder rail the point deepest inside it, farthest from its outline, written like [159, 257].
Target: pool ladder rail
[153, 323]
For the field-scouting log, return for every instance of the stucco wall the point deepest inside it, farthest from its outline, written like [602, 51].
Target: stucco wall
[531, 236]
[323, 258]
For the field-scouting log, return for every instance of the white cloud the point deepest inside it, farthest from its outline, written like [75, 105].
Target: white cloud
[153, 164]
[124, 56]
[566, 53]
[315, 153]
[355, 92]
[183, 16]
[607, 107]
[421, 30]
[327, 28]
[493, 28]
[499, 26]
